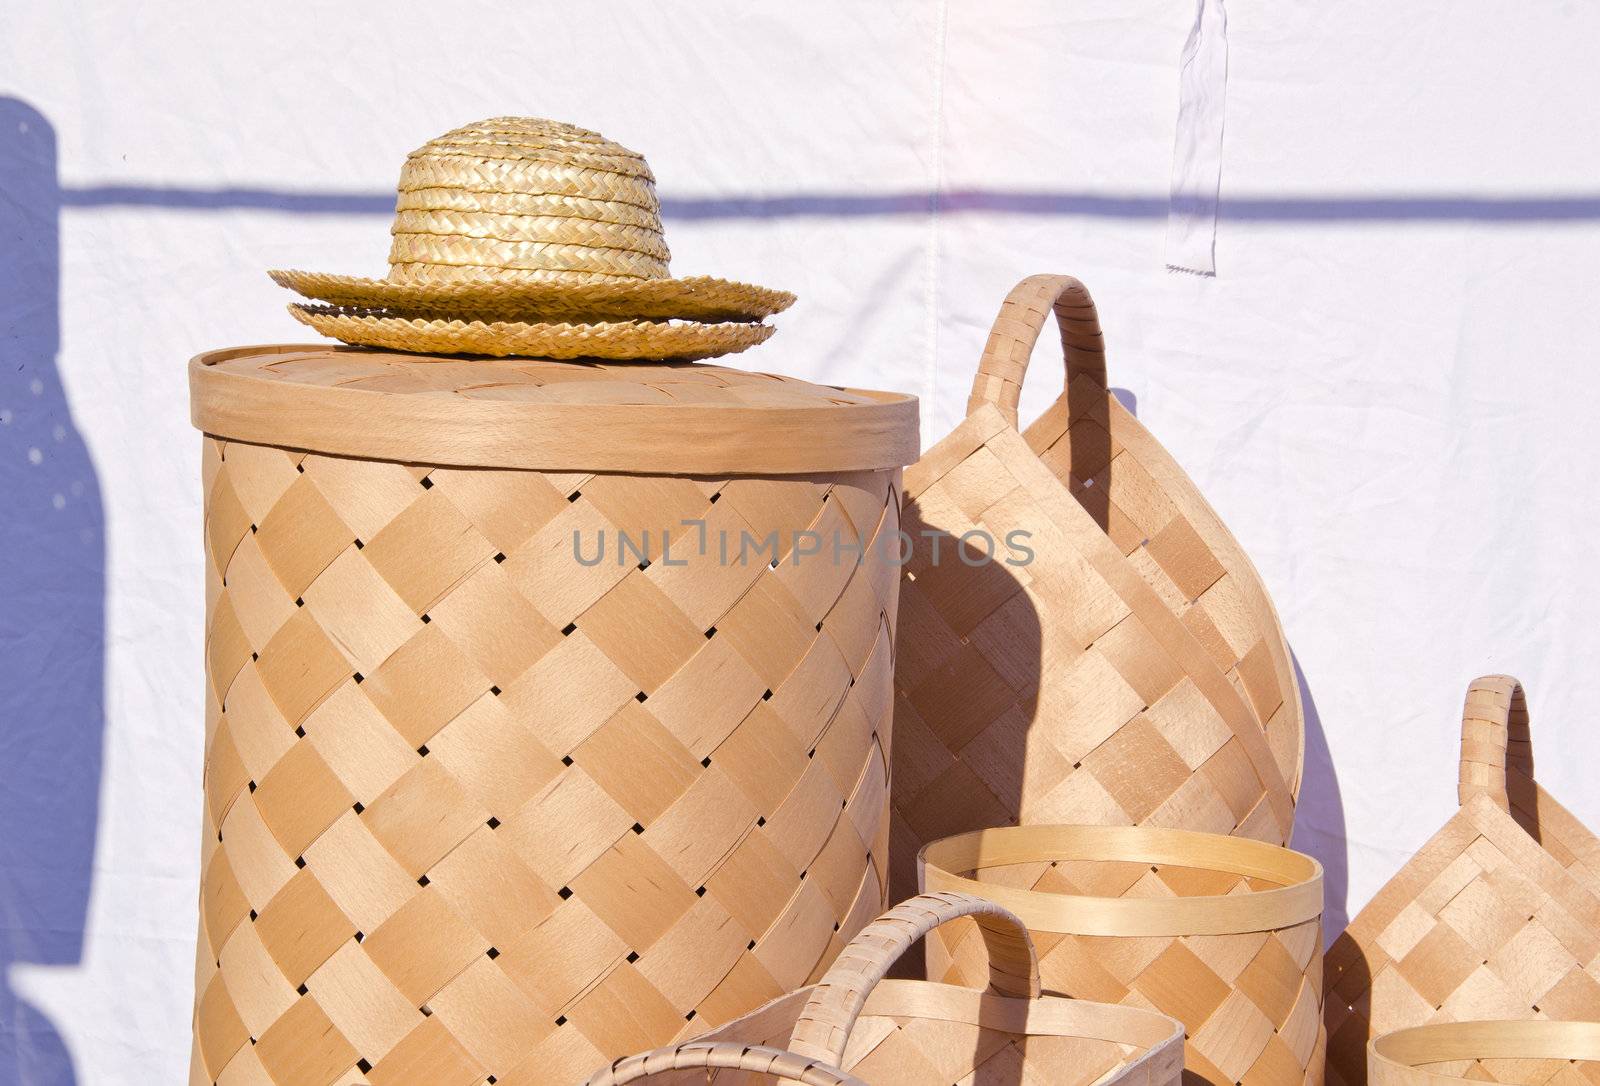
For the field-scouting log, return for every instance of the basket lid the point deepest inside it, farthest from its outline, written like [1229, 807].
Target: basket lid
[657, 417]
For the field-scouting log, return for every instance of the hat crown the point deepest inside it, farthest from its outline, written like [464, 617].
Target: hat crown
[526, 199]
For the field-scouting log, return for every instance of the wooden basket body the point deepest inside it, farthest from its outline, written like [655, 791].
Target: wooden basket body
[474, 808]
[853, 1026]
[913, 1033]
[1520, 1053]
[1496, 917]
[1128, 669]
[1223, 934]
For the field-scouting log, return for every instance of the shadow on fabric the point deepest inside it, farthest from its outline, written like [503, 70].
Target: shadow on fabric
[1319, 829]
[52, 612]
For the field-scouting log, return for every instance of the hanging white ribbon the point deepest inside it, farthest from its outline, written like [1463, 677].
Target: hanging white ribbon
[1197, 150]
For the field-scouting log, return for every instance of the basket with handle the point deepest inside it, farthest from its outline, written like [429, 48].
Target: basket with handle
[1222, 933]
[1497, 916]
[1113, 658]
[1526, 1053]
[910, 1033]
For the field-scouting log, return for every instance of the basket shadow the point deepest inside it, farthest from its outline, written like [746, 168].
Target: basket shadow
[52, 625]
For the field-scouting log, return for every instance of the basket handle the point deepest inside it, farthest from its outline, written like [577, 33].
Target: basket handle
[1016, 330]
[830, 1014]
[721, 1055]
[1494, 739]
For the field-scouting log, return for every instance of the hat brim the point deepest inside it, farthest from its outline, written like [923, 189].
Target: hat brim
[699, 298]
[634, 340]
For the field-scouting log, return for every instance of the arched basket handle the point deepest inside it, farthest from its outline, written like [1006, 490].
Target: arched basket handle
[1022, 315]
[1494, 739]
[825, 1023]
[721, 1055]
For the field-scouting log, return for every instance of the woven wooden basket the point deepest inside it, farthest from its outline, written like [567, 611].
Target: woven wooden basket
[1520, 1053]
[1497, 916]
[478, 804]
[1129, 670]
[915, 1033]
[1222, 933]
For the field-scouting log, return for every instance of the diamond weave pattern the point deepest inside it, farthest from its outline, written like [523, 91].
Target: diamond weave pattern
[1250, 1002]
[475, 808]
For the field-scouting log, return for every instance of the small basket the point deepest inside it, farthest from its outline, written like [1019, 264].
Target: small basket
[1497, 916]
[1222, 933]
[912, 1033]
[1521, 1053]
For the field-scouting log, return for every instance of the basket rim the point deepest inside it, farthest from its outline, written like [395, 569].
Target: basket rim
[658, 439]
[948, 864]
[1405, 1050]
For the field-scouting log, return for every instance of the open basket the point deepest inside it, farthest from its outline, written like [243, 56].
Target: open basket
[1222, 933]
[1496, 917]
[1520, 1053]
[1081, 639]
[912, 1033]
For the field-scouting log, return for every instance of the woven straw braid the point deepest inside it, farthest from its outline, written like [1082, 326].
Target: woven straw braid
[545, 229]
[1222, 933]
[1523, 1053]
[1132, 672]
[629, 339]
[535, 139]
[724, 1055]
[1497, 916]
[455, 251]
[520, 203]
[533, 178]
[473, 808]
[544, 141]
[510, 282]
[698, 298]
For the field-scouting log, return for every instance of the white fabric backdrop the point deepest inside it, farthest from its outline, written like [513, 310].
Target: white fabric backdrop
[1388, 390]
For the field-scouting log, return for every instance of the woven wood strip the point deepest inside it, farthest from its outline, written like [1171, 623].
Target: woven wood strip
[1522, 1053]
[1497, 916]
[475, 809]
[1128, 670]
[1229, 942]
[913, 1033]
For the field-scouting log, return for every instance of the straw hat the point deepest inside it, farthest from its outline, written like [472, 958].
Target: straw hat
[519, 235]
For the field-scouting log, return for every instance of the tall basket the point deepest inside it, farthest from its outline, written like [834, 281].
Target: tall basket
[1496, 917]
[519, 757]
[1083, 641]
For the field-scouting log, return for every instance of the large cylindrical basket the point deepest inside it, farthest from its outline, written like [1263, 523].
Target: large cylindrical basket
[917, 1033]
[1223, 933]
[548, 706]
